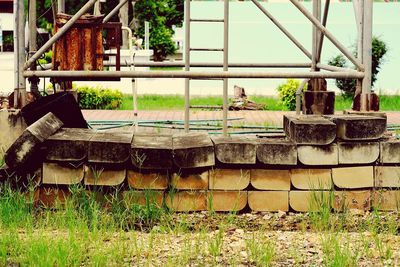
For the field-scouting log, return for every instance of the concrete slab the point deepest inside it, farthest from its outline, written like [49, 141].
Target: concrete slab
[61, 174]
[305, 201]
[190, 181]
[353, 127]
[355, 199]
[358, 152]
[148, 180]
[311, 179]
[104, 176]
[387, 176]
[386, 200]
[193, 150]
[272, 151]
[268, 200]
[229, 179]
[318, 155]
[353, 177]
[184, 201]
[390, 151]
[267, 179]
[235, 149]
[226, 200]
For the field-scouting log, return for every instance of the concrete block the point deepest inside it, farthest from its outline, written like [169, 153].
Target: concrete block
[267, 179]
[110, 147]
[352, 127]
[152, 151]
[268, 200]
[386, 200]
[319, 102]
[358, 152]
[305, 201]
[68, 144]
[65, 174]
[187, 201]
[312, 179]
[227, 200]
[318, 155]
[235, 150]
[309, 129]
[143, 197]
[98, 175]
[148, 180]
[23, 151]
[53, 196]
[190, 181]
[229, 179]
[353, 177]
[387, 176]
[355, 199]
[193, 150]
[273, 151]
[390, 151]
[378, 114]
[12, 125]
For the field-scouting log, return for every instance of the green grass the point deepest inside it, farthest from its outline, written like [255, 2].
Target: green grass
[177, 102]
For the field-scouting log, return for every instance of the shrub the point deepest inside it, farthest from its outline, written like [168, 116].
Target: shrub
[99, 98]
[287, 93]
[348, 86]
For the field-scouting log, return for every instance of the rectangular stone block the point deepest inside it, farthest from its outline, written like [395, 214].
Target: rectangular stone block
[309, 129]
[229, 179]
[353, 177]
[318, 155]
[61, 174]
[386, 200]
[53, 196]
[193, 150]
[267, 179]
[69, 144]
[390, 151]
[104, 175]
[227, 200]
[143, 197]
[235, 149]
[152, 151]
[306, 201]
[312, 179]
[358, 152]
[148, 180]
[355, 199]
[268, 200]
[387, 176]
[190, 180]
[273, 151]
[186, 201]
[110, 147]
[319, 102]
[12, 125]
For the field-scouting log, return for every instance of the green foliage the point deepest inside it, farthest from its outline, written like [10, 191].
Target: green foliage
[99, 98]
[287, 93]
[162, 15]
[47, 58]
[348, 86]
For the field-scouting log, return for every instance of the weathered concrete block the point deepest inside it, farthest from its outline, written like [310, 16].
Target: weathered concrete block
[378, 114]
[309, 129]
[227, 200]
[143, 197]
[386, 200]
[353, 177]
[190, 181]
[311, 179]
[272, 151]
[305, 201]
[387, 176]
[352, 127]
[68, 144]
[148, 180]
[110, 147]
[268, 200]
[390, 151]
[193, 150]
[358, 152]
[23, 150]
[355, 199]
[52, 196]
[229, 179]
[267, 179]
[318, 155]
[235, 150]
[57, 174]
[187, 201]
[100, 175]
[318, 102]
[12, 125]
[152, 151]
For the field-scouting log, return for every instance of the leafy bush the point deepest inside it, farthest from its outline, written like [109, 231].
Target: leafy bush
[99, 98]
[47, 57]
[348, 86]
[287, 93]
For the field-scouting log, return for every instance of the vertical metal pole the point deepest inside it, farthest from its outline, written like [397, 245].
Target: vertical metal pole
[61, 6]
[225, 68]
[367, 54]
[321, 36]
[187, 62]
[358, 6]
[33, 44]
[315, 33]
[146, 35]
[19, 54]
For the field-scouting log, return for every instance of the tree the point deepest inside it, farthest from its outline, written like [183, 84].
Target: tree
[162, 15]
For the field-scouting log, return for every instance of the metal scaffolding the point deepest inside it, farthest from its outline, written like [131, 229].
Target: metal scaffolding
[363, 14]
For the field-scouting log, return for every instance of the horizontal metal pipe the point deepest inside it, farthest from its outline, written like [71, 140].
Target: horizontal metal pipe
[207, 49]
[207, 20]
[190, 74]
[215, 65]
[333, 68]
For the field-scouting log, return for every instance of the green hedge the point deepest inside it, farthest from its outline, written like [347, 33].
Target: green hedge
[99, 98]
[287, 93]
